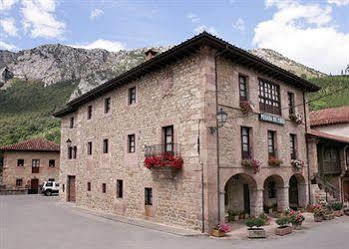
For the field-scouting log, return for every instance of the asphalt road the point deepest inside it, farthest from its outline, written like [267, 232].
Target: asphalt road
[37, 222]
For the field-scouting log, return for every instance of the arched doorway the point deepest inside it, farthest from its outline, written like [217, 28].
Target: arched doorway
[239, 194]
[274, 194]
[297, 192]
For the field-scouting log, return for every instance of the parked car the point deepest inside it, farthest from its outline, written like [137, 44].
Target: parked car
[49, 188]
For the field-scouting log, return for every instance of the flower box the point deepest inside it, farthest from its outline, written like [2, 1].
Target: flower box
[281, 231]
[256, 233]
[245, 106]
[252, 164]
[318, 218]
[296, 118]
[217, 233]
[297, 164]
[275, 162]
[164, 160]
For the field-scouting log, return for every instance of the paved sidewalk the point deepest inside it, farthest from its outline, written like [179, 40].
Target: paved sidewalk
[137, 222]
[38, 222]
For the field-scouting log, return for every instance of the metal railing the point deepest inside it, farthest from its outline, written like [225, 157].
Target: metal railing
[162, 149]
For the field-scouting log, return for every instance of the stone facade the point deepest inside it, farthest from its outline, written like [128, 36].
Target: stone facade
[12, 172]
[185, 94]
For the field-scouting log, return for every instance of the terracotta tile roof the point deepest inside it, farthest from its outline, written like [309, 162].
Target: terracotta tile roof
[328, 136]
[38, 144]
[330, 116]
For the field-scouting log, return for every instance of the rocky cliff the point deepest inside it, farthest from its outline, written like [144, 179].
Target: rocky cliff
[56, 63]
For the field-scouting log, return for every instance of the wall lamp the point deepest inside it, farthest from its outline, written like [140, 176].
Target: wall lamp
[221, 117]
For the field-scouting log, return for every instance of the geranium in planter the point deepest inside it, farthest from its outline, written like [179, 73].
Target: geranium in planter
[337, 208]
[255, 229]
[245, 106]
[252, 164]
[297, 164]
[275, 162]
[283, 227]
[296, 118]
[220, 230]
[296, 218]
[318, 213]
[165, 160]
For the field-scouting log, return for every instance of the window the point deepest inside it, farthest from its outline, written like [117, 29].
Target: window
[88, 186]
[168, 138]
[51, 180]
[271, 144]
[75, 151]
[293, 147]
[20, 162]
[71, 123]
[104, 188]
[148, 196]
[35, 165]
[63, 188]
[52, 163]
[89, 148]
[132, 95]
[19, 182]
[269, 97]
[245, 143]
[89, 112]
[105, 146]
[131, 143]
[70, 152]
[291, 103]
[271, 189]
[119, 188]
[106, 105]
[243, 87]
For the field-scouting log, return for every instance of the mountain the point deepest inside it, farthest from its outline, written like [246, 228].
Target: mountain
[286, 63]
[87, 69]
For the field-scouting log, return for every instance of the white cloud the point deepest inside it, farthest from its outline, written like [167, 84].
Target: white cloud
[96, 13]
[7, 46]
[8, 25]
[112, 46]
[304, 33]
[39, 19]
[7, 4]
[339, 2]
[239, 24]
[202, 28]
[193, 18]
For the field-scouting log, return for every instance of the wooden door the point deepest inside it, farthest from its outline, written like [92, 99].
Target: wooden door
[34, 186]
[293, 192]
[246, 199]
[71, 189]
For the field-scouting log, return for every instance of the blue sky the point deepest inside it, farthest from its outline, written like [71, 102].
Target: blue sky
[313, 32]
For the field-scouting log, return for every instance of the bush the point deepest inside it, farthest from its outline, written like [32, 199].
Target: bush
[337, 206]
[283, 221]
[255, 222]
[232, 214]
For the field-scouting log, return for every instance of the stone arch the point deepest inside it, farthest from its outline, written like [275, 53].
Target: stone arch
[297, 191]
[241, 195]
[275, 194]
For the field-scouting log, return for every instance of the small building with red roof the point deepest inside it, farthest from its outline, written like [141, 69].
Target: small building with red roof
[328, 143]
[28, 164]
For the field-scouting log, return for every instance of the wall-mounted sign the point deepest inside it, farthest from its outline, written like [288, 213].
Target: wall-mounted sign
[271, 118]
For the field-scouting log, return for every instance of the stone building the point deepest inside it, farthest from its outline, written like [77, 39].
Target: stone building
[205, 102]
[28, 164]
[329, 151]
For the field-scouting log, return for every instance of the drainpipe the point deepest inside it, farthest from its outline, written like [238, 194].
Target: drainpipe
[217, 132]
[306, 146]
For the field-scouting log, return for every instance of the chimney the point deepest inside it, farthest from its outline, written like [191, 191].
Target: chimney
[151, 53]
